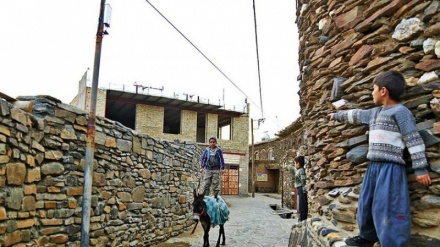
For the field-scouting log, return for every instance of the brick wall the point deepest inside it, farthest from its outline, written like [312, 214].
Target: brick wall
[149, 119]
[189, 125]
[101, 98]
[211, 125]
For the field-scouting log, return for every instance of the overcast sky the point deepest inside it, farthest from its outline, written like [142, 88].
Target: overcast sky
[46, 46]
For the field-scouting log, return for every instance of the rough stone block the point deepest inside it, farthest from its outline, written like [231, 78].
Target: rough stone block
[15, 173]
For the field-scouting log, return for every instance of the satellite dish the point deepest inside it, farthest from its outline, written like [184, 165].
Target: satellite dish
[266, 136]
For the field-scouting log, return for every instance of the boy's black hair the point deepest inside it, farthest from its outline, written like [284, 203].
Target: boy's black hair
[300, 160]
[393, 81]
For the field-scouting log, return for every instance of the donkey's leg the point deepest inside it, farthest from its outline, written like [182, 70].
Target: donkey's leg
[221, 233]
[206, 239]
[222, 229]
[206, 227]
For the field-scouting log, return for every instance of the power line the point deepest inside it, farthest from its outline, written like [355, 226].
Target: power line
[258, 59]
[203, 55]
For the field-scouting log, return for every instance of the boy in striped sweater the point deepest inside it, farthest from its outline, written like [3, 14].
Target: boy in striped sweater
[384, 204]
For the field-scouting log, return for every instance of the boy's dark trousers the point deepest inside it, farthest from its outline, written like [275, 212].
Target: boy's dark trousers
[302, 203]
[384, 205]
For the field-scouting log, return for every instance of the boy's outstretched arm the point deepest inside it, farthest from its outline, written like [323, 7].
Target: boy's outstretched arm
[353, 116]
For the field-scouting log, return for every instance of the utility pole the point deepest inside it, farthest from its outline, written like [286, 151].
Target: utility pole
[90, 148]
[282, 188]
[253, 158]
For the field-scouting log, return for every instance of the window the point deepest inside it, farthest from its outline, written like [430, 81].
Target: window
[125, 113]
[270, 155]
[171, 121]
[225, 127]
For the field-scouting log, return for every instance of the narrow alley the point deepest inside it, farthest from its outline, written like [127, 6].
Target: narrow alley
[252, 223]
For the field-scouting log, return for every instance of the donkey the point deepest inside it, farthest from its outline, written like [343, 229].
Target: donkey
[208, 215]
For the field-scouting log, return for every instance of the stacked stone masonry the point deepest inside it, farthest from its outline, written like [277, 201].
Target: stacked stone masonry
[141, 186]
[344, 44]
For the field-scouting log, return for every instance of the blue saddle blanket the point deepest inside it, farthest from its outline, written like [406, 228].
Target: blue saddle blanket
[217, 210]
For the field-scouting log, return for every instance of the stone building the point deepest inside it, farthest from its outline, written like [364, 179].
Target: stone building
[185, 119]
[343, 46]
[271, 157]
[266, 167]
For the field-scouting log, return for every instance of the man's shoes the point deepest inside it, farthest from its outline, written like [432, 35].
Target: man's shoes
[358, 241]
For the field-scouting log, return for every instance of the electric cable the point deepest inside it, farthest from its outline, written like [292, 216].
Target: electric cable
[258, 59]
[209, 60]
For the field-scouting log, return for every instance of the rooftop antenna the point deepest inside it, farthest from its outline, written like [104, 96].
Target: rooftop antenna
[147, 87]
[260, 121]
[190, 96]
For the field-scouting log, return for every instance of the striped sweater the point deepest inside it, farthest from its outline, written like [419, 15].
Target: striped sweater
[392, 129]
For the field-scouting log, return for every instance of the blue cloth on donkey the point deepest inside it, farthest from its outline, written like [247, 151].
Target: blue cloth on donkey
[217, 210]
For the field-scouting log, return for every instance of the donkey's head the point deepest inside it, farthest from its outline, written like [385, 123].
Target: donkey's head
[198, 205]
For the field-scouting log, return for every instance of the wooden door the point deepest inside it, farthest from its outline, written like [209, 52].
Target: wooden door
[230, 180]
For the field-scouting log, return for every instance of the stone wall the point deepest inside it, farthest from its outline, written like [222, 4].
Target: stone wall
[343, 46]
[291, 142]
[141, 186]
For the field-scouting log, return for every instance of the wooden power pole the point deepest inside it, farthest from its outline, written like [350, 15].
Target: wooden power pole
[253, 158]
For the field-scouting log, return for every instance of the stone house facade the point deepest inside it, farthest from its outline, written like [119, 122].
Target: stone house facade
[343, 46]
[173, 119]
[271, 159]
[266, 170]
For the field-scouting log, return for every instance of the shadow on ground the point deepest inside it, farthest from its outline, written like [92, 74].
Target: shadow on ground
[183, 240]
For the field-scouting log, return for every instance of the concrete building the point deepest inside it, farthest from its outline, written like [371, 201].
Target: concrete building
[176, 119]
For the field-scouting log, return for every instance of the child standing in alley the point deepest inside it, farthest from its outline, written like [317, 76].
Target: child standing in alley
[300, 183]
[211, 163]
[384, 204]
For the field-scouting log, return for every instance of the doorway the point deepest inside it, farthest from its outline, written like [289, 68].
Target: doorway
[230, 180]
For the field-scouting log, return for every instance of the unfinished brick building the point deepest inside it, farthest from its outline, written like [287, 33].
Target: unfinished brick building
[179, 120]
